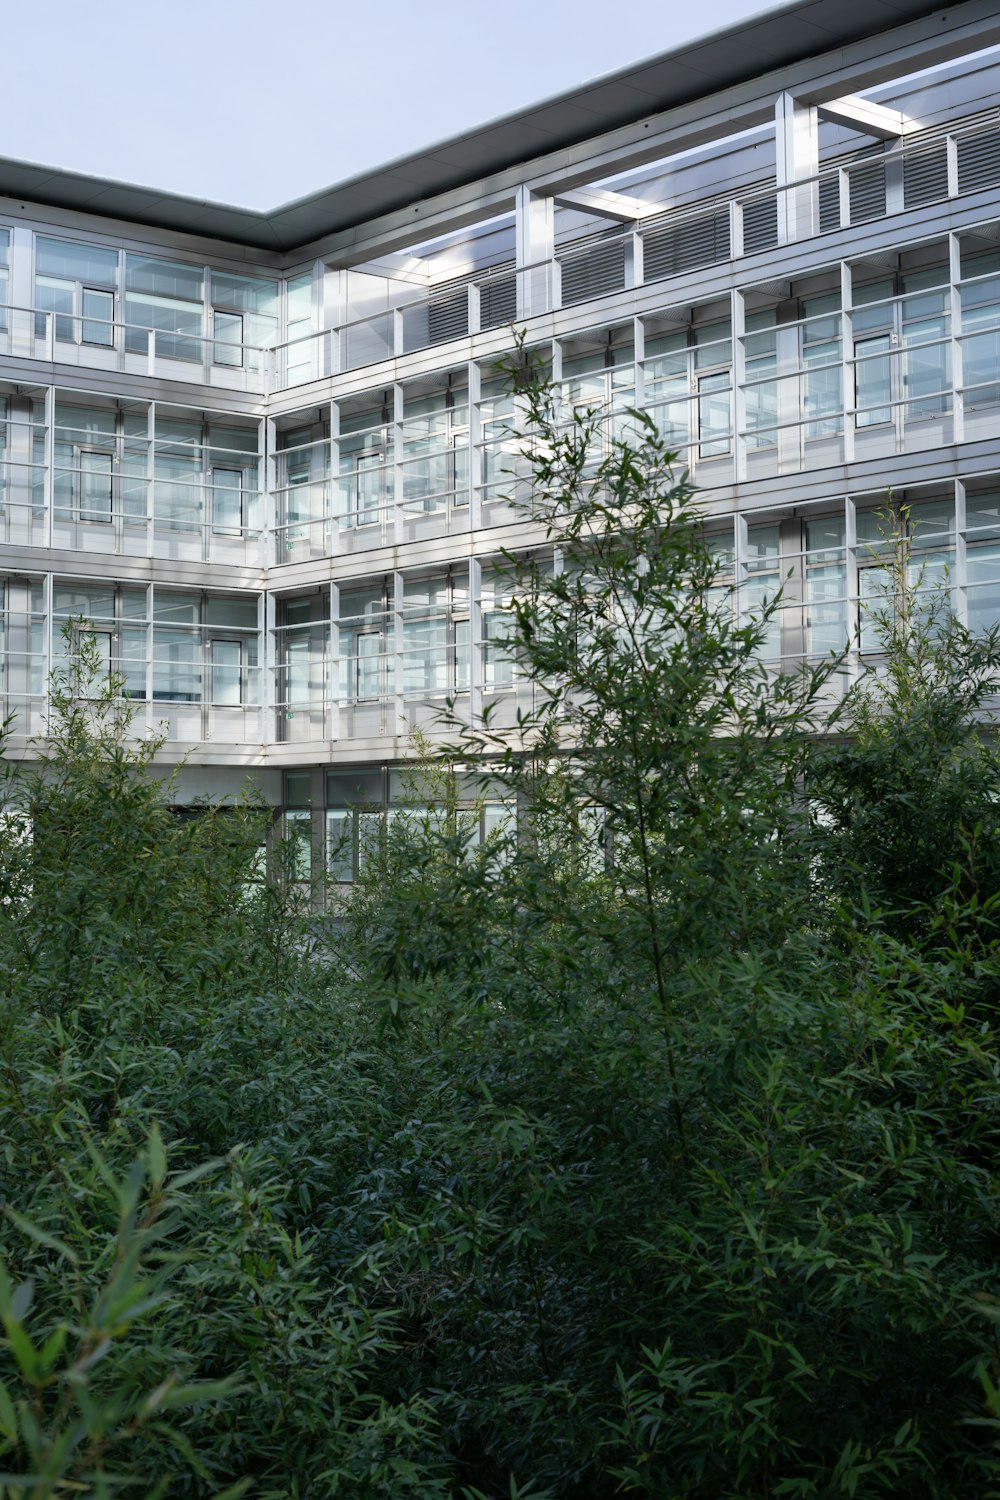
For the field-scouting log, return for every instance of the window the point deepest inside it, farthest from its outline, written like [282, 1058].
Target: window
[901, 350]
[980, 297]
[177, 667]
[930, 526]
[165, 297]
[763, 583]
[244, 316]
[227, 502]
[601, 382]
[4, 287]
[76, 285]
[114, 621]
[370, 485]
[97, 326]
[713, 415]
[364, 452]
[226, 660]
[826, 586]
[303, 489]
[300, 352]
[689, 388]
[96, 481]
[298, 831]
[498, 632]
[340, 844]
[368, 666]
[435, 650]
[822, 396]
[982, 532]
[761, 356]
[227, 330]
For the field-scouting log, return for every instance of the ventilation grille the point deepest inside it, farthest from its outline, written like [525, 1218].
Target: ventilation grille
[497, 301]
[867, 190]
[760, 225]
[594, 270]
[978, 161]
[448, 309]
[673, 248]
[925, 175]
[448, 316]
[829, 204]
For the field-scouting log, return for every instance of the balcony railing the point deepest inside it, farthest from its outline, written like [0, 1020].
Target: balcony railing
[660, 246]
[65, 338]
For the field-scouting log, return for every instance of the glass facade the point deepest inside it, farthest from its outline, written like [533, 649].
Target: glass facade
[275, 496]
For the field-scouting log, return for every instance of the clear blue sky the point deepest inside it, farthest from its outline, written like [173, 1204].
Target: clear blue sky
[259, 101]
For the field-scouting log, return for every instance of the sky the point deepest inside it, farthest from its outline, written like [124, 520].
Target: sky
[257, 102]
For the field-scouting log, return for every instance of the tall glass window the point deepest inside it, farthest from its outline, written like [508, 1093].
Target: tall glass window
[244, 317]
[99, 463]
[205, 476]
[300, 350]
[873, 324]
[115, 619]
[435, 636]
[435, 458]
[76, 284]
[980, 301]
[826, 585]
[365, 475]
[4, 281]
[982, 557]
[822, 393]
[689, 388]
[303, 489]
[761, 357]
[177, 664]
[901, 349]
[167, 298]
[763, 583]
[365, 634]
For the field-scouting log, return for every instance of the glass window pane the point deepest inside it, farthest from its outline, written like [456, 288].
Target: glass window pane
[75, 262]
[176, 666]
[98, 317]
[873, 381]
[164, 278]
[227, 329]
[227, 502]
[227, 662]
[339, 844]
[368, 667]
[713, 415]
[96, 471]
[55, 296]
[369, 488]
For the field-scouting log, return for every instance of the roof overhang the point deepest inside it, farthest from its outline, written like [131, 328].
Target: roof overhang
[698, 69]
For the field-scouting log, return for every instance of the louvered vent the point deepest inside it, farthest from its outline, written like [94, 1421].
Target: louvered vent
[760, 225]
[448, 314]
[978, 161]
[448, 310]
[829, 203]
[684, 247]
[594, 270]
[925, 175]
[497, 301]
[867, 192]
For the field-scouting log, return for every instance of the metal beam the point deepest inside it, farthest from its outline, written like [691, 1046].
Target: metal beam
[871, 119]
[398, 267]
[605, 204]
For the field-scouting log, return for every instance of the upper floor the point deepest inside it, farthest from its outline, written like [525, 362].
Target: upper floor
[776, 148]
